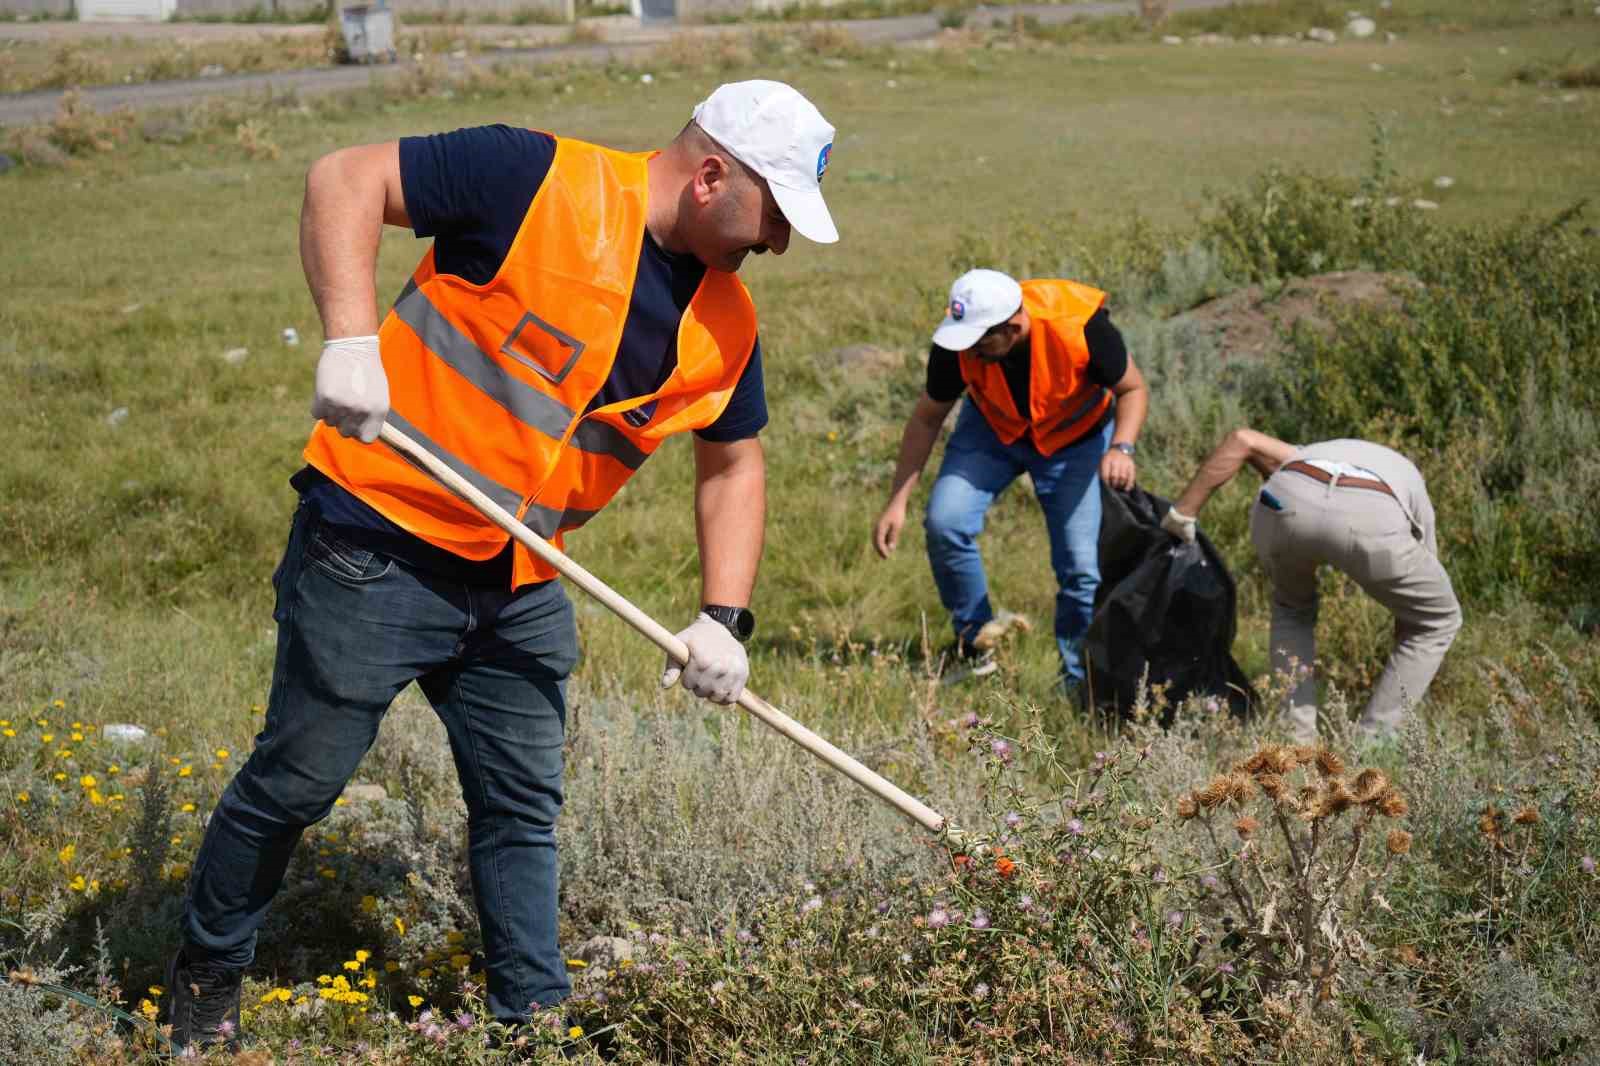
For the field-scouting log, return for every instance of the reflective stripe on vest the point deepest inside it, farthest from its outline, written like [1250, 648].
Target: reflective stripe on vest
[1063, 404]
[496, 379]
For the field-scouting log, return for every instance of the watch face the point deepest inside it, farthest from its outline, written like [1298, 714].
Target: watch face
[744, 624]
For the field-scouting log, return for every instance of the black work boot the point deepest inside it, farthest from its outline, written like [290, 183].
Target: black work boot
[203, 1003]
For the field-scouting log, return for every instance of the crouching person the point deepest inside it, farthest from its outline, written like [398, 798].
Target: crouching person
[1363, 509]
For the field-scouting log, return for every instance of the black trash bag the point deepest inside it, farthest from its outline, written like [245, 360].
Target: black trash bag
[1162, 606]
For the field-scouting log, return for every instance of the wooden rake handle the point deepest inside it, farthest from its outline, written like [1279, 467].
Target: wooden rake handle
[658, 634]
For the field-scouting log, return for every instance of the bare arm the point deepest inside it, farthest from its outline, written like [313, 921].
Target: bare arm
[1242, 446]
[916, 443]
[350, 195]
[1133, 403]
[730, 510]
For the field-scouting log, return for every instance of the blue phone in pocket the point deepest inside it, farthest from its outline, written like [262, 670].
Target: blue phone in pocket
[1270, 500]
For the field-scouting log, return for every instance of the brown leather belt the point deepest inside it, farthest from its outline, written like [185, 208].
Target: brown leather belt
[1344, 481]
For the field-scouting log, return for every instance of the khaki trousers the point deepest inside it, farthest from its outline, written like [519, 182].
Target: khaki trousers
[1365, 534]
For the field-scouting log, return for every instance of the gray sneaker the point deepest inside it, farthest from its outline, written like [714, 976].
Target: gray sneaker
[963, 662]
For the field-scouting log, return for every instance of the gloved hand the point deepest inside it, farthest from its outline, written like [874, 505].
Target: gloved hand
[1179, 525]
[718, 666]
[352, 390]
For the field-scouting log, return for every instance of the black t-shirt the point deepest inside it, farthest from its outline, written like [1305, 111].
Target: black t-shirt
[470, 191]
[1108, 362]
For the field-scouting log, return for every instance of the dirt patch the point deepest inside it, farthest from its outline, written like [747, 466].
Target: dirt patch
[1250, 324]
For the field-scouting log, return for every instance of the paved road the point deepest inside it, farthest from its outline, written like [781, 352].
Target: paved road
[20, 108]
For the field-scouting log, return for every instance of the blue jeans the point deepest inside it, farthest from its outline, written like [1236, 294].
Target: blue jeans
[354, 628]
[977, 468]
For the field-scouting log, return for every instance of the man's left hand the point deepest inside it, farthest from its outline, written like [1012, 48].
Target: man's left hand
[717, 668]
[1117, 470]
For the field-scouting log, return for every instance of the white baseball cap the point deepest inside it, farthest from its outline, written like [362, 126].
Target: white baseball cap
[979, 299]
[779, 134]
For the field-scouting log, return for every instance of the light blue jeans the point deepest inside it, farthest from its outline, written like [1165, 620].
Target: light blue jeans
[977, 468]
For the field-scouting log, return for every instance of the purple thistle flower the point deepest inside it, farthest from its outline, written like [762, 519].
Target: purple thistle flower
[226, 1028]
[1588, 864]
[980, 991]
[980, 919]
[1024, 902]
[744, 936]
[969, 719]
[464, 1020]
[1075, 827]
[1001, 749]
[811, 904]
[1226, 967]
[1013, 819]
[938, 918]
[1175, 919]
[1209, 883]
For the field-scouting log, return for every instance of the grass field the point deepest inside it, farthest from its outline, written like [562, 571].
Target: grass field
[143, 504]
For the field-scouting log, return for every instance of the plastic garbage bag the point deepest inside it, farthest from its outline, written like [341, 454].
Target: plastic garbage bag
[1163, 606]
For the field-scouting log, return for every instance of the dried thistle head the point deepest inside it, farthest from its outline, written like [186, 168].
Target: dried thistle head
[1308, 796]
[1215, 792]
[1301, 755]
[1336, 799]
[1272, 785]
[1369, 785]
[1329, 764]
[1527, 816]
[1399, 842]
[1245, 825]
[1489, 821]
[1188, 806]
[1240, 788]
[1256, 763]
[1392, 804]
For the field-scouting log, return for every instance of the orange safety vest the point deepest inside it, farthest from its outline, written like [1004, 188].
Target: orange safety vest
[1063, 403]
[494, 379]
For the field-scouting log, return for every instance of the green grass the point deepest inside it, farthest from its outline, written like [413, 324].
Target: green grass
[134, 579]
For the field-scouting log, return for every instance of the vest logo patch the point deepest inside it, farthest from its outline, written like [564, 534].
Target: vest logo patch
[958, 310]
[545, 349]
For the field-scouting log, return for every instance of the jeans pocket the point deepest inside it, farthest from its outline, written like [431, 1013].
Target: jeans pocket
[343, 561]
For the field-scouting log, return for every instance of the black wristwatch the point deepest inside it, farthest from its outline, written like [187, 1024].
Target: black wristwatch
[1125, 449]
[739, 620]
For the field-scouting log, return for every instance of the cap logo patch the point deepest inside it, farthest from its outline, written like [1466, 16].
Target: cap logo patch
[822, 159]
[958, 310]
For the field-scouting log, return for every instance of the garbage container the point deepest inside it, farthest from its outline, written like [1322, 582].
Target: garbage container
[368, 33]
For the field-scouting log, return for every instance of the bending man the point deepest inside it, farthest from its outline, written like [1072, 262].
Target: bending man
[578, 306]
[1052, 393]
[1363, 509]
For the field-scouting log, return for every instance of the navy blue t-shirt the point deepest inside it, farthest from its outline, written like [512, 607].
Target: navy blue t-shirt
[470, 191]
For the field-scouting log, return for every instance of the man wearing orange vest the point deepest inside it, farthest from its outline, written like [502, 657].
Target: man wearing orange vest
[578, 305]
[1053, 393]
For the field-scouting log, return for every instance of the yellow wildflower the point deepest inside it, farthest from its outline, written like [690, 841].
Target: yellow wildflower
[59, 704]
[76, 736]
[157, 991]
[576, 964]
[113, 769]
[5, 721]
[9, 732]
[94, 886]
[415, 1001]
[66, 853]
[77, 884]
[186, 771]
[23, 797]
[87, 781]
[45, 738]
[64, 753]
[352, 965]
[148, 1009]
[58, 776]
[187, 808]
[575, 1032]
[180, 871]
[363, 955]
[369, 981]
[400, 927]
[95, 798]
[277, 995]
[323, 978]
[174, 760]
[222, 753]
[340, 802]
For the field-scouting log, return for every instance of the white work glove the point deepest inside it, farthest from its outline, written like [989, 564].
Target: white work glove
[718, 666]
[352, 390]
[1179, 525]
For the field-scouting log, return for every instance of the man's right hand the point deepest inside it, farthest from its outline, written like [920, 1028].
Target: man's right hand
[352, 392]
[886, 534]
[1179, 525]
